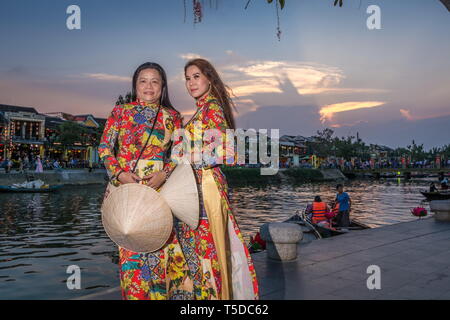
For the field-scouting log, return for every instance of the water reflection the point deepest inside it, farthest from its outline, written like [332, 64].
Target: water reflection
[42, 234]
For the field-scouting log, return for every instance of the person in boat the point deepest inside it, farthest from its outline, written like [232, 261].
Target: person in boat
[444, 184]
[308, 210]
[433, 187]
[344, 201]
[319, 212]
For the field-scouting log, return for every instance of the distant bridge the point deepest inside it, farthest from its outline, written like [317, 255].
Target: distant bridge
[407, 172]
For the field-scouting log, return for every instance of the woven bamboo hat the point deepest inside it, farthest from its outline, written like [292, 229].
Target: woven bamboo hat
[137, 218]
[181, 194]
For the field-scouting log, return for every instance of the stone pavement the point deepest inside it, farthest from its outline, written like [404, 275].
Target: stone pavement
[414, 259]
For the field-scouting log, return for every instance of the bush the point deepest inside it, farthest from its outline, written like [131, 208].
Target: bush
[242, 175]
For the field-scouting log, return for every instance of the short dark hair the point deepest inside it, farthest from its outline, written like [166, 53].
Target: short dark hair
[339, 186]
[317, 199]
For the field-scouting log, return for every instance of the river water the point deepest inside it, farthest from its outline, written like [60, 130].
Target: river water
[42, 234]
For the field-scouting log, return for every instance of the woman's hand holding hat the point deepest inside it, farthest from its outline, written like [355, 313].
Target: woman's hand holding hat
[155, 179]
[128, 177]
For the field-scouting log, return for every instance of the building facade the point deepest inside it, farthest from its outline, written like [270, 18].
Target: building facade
[292, 151]
[24, 131]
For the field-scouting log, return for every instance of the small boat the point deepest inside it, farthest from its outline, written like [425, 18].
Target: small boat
[438, 195]
[311, 231]
[327, 232]
[23, 190]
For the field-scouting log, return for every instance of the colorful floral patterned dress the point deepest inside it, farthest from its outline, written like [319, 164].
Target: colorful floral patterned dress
[162, 274]
[219, 261]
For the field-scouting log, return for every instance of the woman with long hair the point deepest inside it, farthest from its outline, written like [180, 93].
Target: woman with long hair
[219, 262]
[162, 274]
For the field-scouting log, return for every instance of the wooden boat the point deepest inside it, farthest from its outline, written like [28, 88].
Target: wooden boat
[328, 232]
[311, 231]
[23, 190]
[439, 195]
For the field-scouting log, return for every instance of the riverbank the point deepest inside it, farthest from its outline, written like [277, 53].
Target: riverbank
[235, 176]
[242, 176]
[65, 177]
[412, 256]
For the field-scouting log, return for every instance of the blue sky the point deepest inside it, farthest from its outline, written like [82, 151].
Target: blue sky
[390, 85]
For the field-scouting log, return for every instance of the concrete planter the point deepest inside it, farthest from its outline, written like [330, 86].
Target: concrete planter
[282, 240]
[441, 209]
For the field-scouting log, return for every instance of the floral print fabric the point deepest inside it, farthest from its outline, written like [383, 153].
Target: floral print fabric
[162, 274]
[206, 272]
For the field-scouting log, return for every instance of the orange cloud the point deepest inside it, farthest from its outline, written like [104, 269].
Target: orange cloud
[249, 77]
[264, 77]
[407, 114]
[327, 112]
[190, 56]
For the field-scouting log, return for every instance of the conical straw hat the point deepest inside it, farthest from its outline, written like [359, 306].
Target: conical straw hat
[137, 218]
[181, 194]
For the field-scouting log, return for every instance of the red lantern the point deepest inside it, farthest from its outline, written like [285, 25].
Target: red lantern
[419, 212]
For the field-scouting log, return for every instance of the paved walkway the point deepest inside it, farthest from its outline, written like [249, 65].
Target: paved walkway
[414, 258]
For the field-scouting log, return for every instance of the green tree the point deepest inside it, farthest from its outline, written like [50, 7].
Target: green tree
[71, 133]
[322, 144]
[417, 152]
[121, 100]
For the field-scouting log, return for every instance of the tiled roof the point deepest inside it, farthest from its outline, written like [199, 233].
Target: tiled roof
[9, 108]
[52, 122]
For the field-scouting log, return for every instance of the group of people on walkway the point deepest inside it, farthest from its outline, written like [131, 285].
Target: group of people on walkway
[37, 164]
[25, 163]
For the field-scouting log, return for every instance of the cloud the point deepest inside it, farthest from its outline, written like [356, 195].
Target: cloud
[190, 56]
[56, 99]
[343, 125]
[106, 77]
[400, 132]
[255, 77]
[251, 77]
[406, 114]
[264, 76]
[327, 112]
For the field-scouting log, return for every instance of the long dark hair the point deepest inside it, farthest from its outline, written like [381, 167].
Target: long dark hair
[164, 100]
[218, 89]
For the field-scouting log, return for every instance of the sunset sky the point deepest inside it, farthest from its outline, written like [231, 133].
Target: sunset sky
[329, 70]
